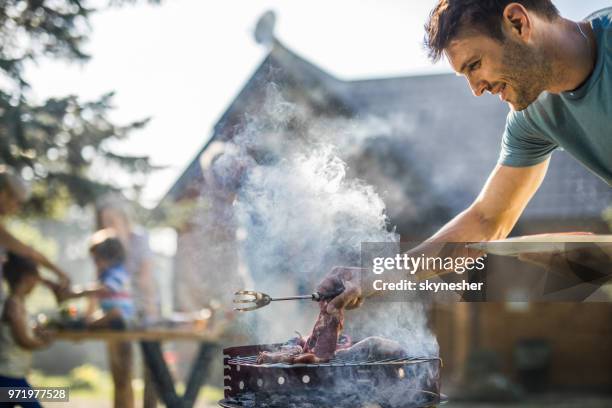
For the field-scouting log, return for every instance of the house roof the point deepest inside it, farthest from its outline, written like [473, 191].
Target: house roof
[450, 137]
[283, 66]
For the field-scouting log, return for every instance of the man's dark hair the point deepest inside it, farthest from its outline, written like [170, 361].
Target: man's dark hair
[16, 268]
[108, 248]
[450, 16]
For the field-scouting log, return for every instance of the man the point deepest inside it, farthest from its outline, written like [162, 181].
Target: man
[556, 75]
[13, 194]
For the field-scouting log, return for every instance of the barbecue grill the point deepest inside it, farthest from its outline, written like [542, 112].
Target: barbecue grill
[388, 383]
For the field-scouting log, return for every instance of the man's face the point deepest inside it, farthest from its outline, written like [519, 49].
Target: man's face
[510, 69]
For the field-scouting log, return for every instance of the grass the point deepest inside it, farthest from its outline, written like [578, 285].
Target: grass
[90, 383]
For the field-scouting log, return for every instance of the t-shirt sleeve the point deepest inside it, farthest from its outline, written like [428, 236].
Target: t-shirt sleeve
[522, 146]
[115, 279]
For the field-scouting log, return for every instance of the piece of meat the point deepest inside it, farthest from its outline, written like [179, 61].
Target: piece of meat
[319, 347]
[324, 337]
[307, 358]
[344, 341]
[286, 355]
[371, 349]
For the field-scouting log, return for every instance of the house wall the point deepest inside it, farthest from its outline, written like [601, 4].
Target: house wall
[579, 334]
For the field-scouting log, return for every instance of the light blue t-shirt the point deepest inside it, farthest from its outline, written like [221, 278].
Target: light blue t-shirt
[579, 121]
[117, 280]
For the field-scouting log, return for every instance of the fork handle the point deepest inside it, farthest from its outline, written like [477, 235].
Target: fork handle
[317, 297]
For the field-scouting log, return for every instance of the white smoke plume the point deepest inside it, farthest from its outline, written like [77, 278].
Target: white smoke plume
[301, 215]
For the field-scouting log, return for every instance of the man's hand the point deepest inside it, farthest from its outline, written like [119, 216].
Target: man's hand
[353, 294]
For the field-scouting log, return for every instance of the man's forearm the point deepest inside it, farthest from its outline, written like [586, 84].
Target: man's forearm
[469, 226]
[472, 225]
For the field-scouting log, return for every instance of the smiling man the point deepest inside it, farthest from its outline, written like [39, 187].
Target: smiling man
[556, 75]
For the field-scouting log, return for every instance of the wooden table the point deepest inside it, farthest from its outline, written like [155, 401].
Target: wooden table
[150, 344]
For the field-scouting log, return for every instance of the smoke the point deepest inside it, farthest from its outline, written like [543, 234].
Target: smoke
[300, 214]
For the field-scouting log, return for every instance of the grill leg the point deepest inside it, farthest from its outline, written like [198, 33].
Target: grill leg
[163, 380]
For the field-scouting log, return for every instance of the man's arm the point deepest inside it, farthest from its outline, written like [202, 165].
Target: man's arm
[498, 206]
[492, 216]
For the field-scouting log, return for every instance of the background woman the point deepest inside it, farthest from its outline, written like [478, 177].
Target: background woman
[112, 212]
[13, 195]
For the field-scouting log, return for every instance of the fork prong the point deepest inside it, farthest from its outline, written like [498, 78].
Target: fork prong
[246, 292]
[247, 309]
[245, 296]
[244, 301]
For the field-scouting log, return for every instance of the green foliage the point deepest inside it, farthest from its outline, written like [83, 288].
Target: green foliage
[55, 143]
[25, 232]
[85, 380]
[85, 377]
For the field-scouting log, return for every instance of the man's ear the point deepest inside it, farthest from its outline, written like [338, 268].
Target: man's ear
[516, 21]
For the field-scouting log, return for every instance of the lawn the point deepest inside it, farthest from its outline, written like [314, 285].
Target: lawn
[91, 387]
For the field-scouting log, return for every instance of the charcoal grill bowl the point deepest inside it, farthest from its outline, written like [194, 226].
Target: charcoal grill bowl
[232, 403]
[245, 380]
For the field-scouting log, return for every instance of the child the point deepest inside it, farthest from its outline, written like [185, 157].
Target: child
[115, 298]
[17, 339]
[113, 286]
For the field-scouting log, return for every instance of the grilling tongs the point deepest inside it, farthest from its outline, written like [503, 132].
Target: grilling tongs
[247, 300]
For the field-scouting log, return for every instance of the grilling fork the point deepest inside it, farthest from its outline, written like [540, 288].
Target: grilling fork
[247, 300]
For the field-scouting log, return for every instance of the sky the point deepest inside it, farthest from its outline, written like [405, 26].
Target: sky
[183, 62]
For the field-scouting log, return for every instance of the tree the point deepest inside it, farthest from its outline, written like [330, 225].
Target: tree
[55, 143]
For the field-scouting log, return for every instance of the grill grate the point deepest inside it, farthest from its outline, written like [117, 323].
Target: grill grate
[251, 361]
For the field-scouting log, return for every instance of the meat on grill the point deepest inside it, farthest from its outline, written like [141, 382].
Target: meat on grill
[286, 354]
[371, 349]
[325, 342]
[319, 347]
[324, 337]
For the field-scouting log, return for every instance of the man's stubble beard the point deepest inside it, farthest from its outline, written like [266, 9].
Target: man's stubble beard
[528, 73]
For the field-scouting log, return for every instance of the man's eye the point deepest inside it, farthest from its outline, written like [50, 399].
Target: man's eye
[474, 65]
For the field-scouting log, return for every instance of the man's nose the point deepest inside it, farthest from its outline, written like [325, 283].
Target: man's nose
[478, 86]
